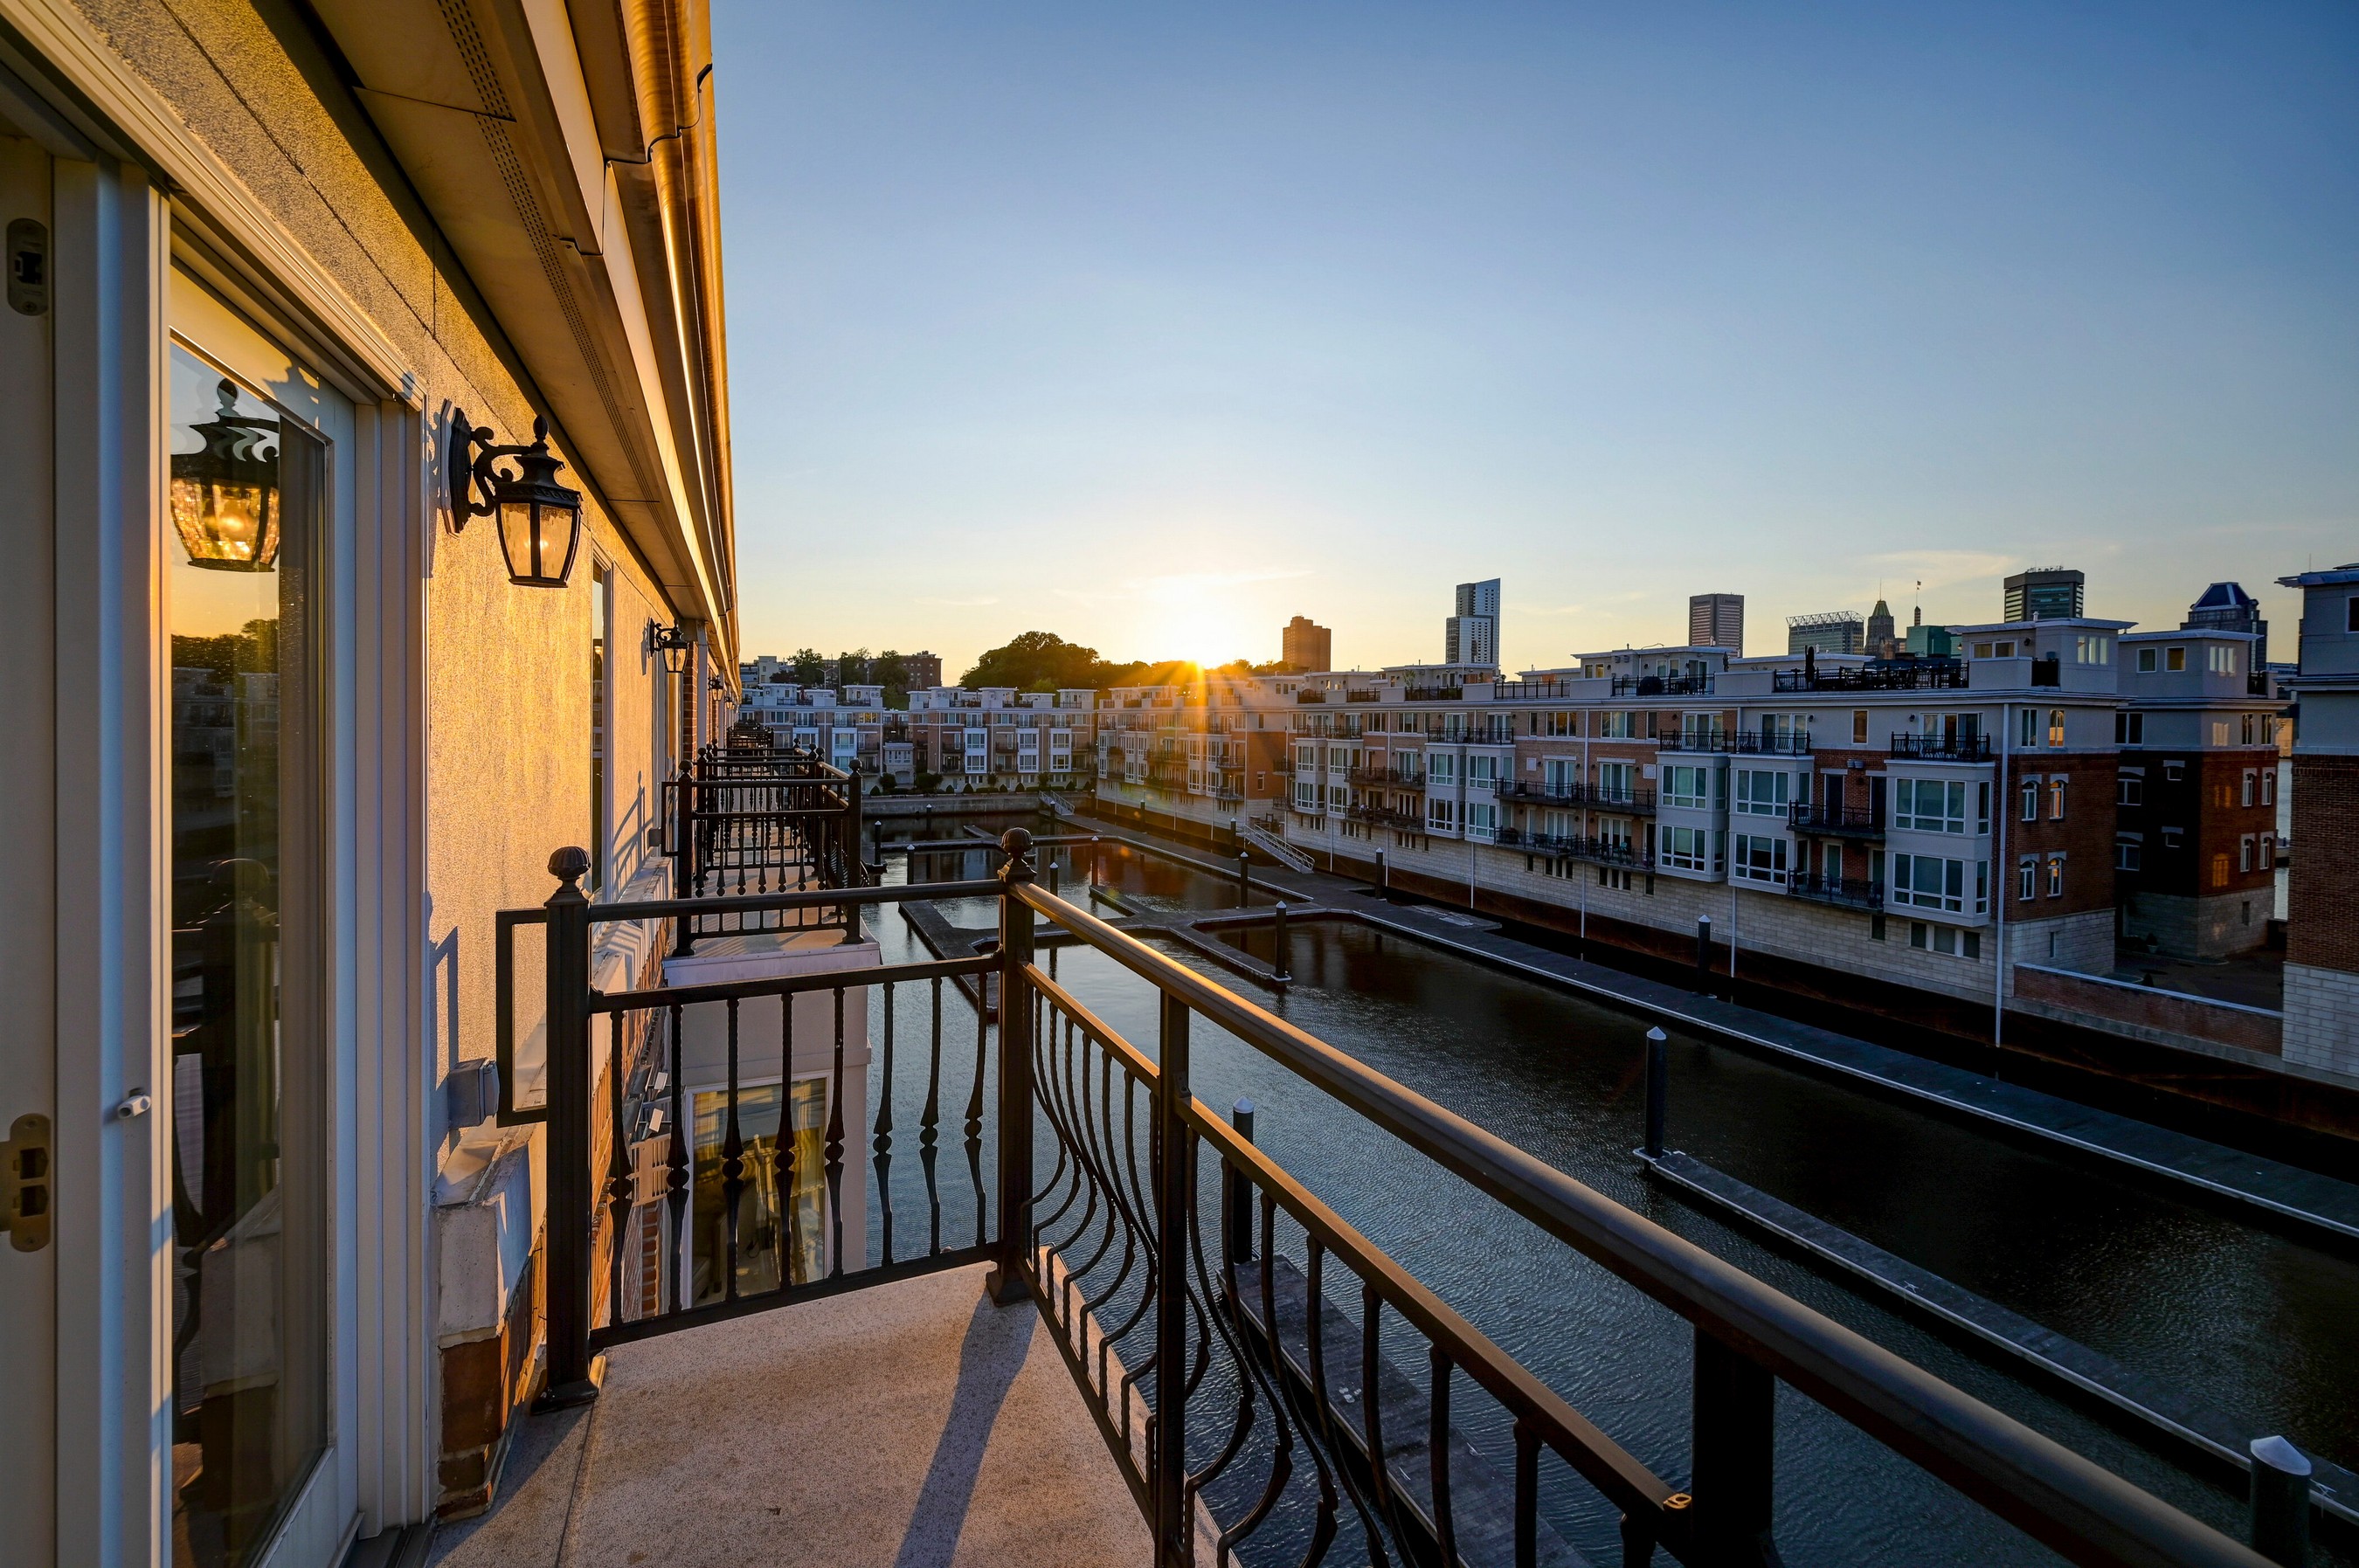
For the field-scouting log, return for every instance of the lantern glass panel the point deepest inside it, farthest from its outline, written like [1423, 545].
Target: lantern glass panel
[225, 479]
[537, 537]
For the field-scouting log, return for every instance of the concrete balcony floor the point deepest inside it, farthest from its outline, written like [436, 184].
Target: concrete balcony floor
[912, 1425]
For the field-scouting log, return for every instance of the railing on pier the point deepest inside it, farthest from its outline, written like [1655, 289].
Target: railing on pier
[745, 821]
[1247, 1353]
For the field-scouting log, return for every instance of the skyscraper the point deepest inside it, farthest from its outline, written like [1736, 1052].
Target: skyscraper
[1830, 631]
[2226, 606]
[1716, 620]
[1882, 640]
[1306, 646]
[1471, 636]
[2044, 593]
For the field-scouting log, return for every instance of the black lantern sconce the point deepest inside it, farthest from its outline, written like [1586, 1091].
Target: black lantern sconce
[225, 497]
[539, 520]
[673, 642]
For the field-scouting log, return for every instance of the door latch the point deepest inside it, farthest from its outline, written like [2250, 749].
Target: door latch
[25, 1184]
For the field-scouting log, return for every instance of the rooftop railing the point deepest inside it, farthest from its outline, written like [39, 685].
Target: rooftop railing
[1259, 1368]
[1927, 674]
[1959, 747]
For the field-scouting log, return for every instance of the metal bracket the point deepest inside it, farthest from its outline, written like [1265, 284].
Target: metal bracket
[25, 1184]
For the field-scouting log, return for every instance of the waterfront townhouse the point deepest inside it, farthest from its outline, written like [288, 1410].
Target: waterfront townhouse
[1196, 757]
[851, 729]
[996, 738]
[2322, 972]
[1953, 838]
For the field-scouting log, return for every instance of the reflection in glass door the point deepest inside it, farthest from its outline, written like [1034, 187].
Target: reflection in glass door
[750, 1193]
[249, 1298]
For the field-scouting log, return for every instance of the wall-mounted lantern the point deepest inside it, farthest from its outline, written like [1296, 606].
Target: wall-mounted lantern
[673, 642]
[225, 497]
[539, 520]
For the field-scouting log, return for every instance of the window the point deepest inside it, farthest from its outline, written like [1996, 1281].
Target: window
[1760, 859]
[2056, 798]
[2173, 838]
[2269, 787]
[2221, 659]
[2129, 789]
[1928, 881]
[1929, 806]
[2252, 788]
[2130, 728]
[2174, 658]
[1684, 848]
[2150, 660]
[2093, 648]
[2055, 726]
[2030, 794]
[1482, 771]
[1482, 816]
[2219, 732]
[1943, 939]
[1762, 793]
[2129, 855]
[2173, 771]
[1440, 812]
[2026, 878]
[2219, 870]
[1686, 786]
[1613, 726]
[2244, 853]
[2268, 849]
[1410, 765]
[2029, 727]
[1614, 781]
[1859, 726]
[2351, 613]
[2055, 876]
[1442, 769]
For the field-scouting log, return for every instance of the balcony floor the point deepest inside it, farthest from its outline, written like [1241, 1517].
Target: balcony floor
[912, 1425]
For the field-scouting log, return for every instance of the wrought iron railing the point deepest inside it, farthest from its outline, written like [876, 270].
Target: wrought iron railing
[1259, 1368]
[1848, 892]
[1635, 798]
[1832, 818]
[754, 820]
[1625, 852]
[1904, 675]
[1964, 747]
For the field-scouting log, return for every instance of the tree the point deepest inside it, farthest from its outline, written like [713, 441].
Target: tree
[1036, 660]
[851, 668]
[808, 668]
[890, 671]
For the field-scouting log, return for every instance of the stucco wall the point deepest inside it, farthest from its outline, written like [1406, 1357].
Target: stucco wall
[507, 669]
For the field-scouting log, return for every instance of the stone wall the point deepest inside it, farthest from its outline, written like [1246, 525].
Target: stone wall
[2146, 1012]
[2322, 1019]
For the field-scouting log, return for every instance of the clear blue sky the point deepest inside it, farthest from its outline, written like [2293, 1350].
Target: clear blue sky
[1152, 326]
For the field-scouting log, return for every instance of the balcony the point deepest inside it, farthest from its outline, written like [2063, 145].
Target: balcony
[1835, 821]
[1959, 748]
[1382, 816]
[1576, 846]
[1434, 693]
[1847, 892]
[1662, 686]
[1920, 674]
[1634, 800]
[1386, 778]
[753, 1410]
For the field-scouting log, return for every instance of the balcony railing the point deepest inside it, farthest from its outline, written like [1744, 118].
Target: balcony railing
[1744, 742]
[1159, 1246]
[1850, 892]
[758, 819]
[1661, 686]
[1383, 816]
[1961, 748]
[1578, 847]
[1848, 821]
[1919, 675]
[1637, 799]
[1434, 693]
[1386, 778]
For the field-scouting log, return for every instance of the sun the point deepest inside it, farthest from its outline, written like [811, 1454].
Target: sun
[1193, 619]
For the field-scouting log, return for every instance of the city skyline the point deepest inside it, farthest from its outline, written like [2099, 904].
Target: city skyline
[1823, 301]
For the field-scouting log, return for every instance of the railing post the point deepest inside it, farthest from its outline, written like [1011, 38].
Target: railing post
[565, 1223]
[1236, 1217]
[1175, 1204]
[1733, 1451]
[683, 862]
[2280, 1501]
[1703, 955]
[1008, 1278]
[1658, 1089]
[1277, 937]
[1245, 879]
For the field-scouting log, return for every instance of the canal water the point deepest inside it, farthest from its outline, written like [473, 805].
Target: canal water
[2261, 1325]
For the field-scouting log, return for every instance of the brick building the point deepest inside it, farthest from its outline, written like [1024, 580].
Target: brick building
[2321, 987]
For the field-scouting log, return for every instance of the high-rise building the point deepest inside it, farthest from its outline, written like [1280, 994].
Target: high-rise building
[1716, 620]
[1306, 646]
[1828, 632]
[1883, 641]
[2044, 593]
[1471, 636]
[2226, 606]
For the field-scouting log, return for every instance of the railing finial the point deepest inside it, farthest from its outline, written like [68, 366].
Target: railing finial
[570, 864]
[1018, 843]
